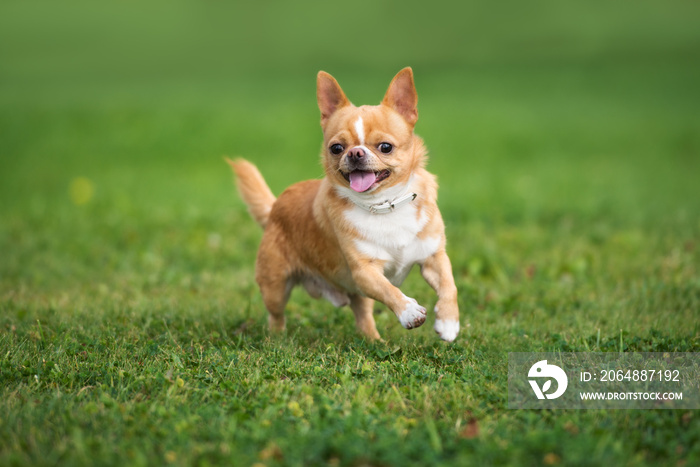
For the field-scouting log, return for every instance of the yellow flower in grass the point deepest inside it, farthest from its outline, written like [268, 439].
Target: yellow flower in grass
[81, 190]
[295, 409]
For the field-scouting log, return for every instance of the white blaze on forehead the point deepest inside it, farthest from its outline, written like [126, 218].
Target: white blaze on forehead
[360, 130]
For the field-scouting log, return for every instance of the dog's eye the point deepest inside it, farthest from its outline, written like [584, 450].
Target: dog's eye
[337, 148]
[386, 148]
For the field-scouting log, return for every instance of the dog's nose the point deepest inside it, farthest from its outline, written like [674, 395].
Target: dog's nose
[356, 154]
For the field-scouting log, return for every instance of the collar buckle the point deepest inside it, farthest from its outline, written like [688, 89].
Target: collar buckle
[389, 206]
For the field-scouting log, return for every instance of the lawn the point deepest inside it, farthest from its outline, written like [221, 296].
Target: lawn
[567, 144]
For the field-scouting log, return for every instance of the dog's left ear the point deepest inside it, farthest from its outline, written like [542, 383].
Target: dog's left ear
[402, 97]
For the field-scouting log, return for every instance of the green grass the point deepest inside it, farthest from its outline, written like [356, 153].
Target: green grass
[567, 144]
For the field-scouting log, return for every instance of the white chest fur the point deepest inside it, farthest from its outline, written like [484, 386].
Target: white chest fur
[393, 238]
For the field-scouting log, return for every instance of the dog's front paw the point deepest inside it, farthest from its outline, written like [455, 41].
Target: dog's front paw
[447, 329]
[413, 315]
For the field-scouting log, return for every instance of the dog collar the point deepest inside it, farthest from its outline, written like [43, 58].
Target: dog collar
[389, 206]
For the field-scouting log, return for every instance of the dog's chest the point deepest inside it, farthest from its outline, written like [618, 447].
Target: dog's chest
[393, 238]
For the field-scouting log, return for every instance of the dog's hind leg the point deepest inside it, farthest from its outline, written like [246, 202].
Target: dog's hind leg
[275, 295]
[364, 317]
[275, 282]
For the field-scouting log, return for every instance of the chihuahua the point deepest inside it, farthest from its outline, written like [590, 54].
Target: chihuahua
[353, 236]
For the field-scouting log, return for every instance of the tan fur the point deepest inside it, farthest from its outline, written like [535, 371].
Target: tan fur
[315, 234]
[253, 190]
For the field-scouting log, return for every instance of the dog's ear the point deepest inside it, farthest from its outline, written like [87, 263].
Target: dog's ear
[330, 96]
[402, 97]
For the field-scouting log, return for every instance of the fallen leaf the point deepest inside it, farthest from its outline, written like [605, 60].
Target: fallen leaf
[470, 431]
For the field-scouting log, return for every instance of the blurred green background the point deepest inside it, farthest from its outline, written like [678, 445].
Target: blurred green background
[529, 109]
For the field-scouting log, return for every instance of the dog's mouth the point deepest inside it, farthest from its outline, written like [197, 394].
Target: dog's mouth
[363, 180]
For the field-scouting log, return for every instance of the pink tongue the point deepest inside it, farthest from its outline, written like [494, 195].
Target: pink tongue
[361, 181]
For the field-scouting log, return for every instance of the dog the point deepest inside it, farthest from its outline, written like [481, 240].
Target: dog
[353, 236]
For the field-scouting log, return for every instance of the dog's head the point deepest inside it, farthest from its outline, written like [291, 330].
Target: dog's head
[370, 148]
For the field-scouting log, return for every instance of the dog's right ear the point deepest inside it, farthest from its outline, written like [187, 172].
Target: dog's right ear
[330, 96]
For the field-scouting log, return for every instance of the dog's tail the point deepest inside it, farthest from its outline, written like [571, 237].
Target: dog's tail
[253, 189]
